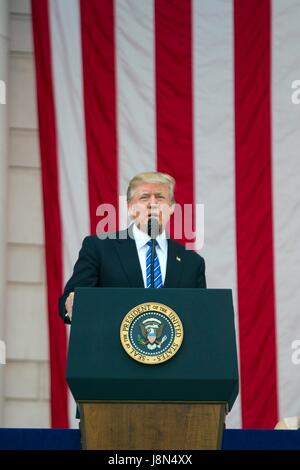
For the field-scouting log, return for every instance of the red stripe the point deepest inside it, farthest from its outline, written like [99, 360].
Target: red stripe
[52, 220]
[174, 98]
[255, 262]
[98, 56]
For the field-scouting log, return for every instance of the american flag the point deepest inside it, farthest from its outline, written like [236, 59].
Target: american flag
[202, 90]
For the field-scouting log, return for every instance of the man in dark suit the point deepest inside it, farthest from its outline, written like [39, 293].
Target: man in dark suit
[120, 259]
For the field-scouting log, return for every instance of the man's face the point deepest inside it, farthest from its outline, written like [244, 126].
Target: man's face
[151, 200]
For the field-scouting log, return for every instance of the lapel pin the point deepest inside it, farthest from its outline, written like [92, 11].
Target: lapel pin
[178, 259]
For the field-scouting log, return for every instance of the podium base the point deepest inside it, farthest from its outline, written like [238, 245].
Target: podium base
[148, 425]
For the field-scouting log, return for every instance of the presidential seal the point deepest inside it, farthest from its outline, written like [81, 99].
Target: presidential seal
[151, 333]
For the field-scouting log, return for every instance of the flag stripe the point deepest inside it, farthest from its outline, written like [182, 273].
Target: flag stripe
[67, 75]
[174, 98]
[135, 89]
[52, 217]
[214, 146]
[254, 213]
[67, 84]
[98, 58]
[286, 144]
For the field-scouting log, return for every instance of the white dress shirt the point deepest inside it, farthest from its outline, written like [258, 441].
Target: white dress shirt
[141, 238]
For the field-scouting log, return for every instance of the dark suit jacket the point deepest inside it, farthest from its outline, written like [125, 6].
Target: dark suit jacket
[115, 263]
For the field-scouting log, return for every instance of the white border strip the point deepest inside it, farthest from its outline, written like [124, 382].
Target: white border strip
[286, 145]
[135, 62]
[68, 95]
[214, 145]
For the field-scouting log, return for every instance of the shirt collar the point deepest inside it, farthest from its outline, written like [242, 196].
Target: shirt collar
[141, 238]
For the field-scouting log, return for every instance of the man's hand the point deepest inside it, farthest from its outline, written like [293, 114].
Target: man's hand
[69, 304]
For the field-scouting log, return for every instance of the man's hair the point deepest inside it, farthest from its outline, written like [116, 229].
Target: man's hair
[151, 177]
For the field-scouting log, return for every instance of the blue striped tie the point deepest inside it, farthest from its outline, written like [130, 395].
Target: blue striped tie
[157, 272]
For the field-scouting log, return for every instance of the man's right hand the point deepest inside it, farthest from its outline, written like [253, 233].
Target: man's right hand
[69, 304]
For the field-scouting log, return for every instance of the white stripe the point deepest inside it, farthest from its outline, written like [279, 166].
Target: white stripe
[135, 90]
[67, 79]
[286, 145]
[214, 145]
[149, 268]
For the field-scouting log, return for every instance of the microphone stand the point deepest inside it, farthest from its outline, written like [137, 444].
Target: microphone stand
[153, 231]
[152, 261]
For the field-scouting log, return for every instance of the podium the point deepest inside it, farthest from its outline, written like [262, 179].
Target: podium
[177, 404]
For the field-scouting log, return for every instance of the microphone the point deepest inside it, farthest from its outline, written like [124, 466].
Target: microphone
[153, 231]
[153, 227]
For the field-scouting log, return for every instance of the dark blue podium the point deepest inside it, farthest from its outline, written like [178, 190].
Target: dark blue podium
[177, 404]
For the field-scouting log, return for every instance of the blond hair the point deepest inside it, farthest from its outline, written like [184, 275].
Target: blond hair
[151, 177]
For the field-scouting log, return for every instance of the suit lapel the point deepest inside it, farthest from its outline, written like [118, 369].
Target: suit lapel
[174, 265]
[129, 259]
